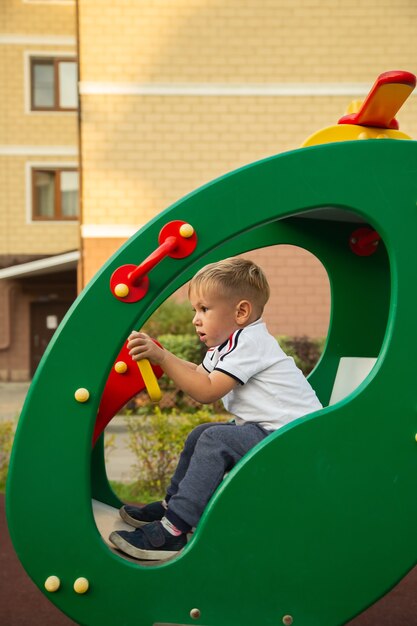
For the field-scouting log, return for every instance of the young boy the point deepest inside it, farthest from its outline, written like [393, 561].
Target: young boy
[258, 383]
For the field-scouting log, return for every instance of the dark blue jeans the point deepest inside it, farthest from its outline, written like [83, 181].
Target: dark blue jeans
[209, 452]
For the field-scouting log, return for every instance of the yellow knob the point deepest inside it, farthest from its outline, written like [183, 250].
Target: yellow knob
[82, 394]
[81, 585]
[52, 584]
[363, 135]
[354, 106]
[186, 231]
[120, 367]
[121, 290]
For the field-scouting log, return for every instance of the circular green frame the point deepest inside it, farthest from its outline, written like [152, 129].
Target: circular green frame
[338, 485]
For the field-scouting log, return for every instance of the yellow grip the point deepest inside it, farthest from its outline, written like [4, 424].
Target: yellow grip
[150, 380]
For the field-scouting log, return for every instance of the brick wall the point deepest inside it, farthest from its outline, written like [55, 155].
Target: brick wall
[30, 138]
[27, 18]
[143, 148]
[251, 41]
[20, 235]
[32, 29]
[95, 253]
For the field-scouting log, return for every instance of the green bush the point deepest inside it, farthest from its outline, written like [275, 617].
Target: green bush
[305, 351]
[185, 346]
[172, 317]
[156, 439]
[6, 442]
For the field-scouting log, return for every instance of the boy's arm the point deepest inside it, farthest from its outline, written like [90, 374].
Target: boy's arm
[190, 378]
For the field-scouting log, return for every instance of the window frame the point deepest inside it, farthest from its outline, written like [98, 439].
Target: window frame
[58, 216]
[54, 61]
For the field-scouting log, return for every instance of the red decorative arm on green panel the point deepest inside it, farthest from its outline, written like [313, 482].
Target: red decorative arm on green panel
[125, 381]
[130, 283]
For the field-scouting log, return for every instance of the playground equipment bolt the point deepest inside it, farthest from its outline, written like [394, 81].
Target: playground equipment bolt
[415, 436]
[81, 585]
[195, 613]
[121, 290]
[52, 584]
[287, 620]
[120, 367]
[186, 231]
[363, 135]
[82, 394]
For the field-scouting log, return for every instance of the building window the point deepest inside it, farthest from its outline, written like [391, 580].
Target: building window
[53, 84]
[54, 194]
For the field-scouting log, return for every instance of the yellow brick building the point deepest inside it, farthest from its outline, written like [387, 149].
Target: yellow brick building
[173, 93]
[177, 92]
[39, 221]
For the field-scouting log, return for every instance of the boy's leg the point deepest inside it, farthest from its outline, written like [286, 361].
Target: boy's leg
[138, 516]
[217, 450]
[186, 455]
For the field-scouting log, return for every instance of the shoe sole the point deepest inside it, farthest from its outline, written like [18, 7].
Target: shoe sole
[138, 553]
[131, 520]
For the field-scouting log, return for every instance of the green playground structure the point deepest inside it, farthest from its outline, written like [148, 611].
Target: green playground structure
[318, 521]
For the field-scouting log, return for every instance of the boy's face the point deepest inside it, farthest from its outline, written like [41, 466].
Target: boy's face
[214, 318]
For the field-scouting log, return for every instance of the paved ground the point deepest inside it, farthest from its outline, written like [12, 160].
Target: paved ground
[12, 397]
[22, 604]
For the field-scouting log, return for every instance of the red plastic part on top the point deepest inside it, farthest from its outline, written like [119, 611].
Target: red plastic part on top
[386, 97]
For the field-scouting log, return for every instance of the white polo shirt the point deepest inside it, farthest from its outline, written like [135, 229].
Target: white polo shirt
[272, 391]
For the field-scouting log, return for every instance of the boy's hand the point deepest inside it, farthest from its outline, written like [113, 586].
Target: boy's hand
[141, 346]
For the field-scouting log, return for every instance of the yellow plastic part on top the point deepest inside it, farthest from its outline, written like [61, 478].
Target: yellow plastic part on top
[350, 132]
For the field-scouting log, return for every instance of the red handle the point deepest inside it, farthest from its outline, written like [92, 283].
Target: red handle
[130, 283]
[153, 259]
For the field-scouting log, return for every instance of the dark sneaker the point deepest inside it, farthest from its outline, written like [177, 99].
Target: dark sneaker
[137, 516]
[152, 542]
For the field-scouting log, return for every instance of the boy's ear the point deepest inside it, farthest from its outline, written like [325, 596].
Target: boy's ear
[243, 311]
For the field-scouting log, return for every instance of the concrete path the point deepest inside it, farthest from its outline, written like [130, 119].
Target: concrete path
[12, 397]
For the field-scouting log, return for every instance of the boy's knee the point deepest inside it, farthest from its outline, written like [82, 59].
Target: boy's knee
[214, 433]
[196, 433]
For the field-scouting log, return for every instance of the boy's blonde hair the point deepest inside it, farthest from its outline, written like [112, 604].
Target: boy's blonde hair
[234, 278]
